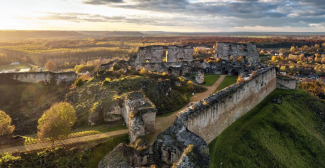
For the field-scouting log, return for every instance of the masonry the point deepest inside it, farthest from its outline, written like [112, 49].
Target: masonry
[47, 77]
[209, 117]
[225, 107]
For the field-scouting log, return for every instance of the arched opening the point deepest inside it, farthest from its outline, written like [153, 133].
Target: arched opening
[224, 71]
[234, 72]
[170, 71]
[180, 72]
[164, 56]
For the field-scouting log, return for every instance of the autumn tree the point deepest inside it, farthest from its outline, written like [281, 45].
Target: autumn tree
[24, 59]
[55, 128]
[5, 124]
[143, 71]
[240, 79]
[50, 65]
[56, 122]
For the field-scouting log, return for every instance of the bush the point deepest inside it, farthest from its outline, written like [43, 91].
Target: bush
[5, 124]
[79, 83]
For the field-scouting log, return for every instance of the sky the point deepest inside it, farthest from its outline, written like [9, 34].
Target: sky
[165, 15]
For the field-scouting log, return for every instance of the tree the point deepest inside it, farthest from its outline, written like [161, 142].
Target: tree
[283, 68]
[50, 65]
[24, 59]
[143, 71]
[55, 128]
[79, 82]
[57, 121]
[5, 124]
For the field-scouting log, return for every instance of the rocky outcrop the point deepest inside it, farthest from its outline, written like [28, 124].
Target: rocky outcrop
[180, 147]
[199, 76]
[139, 114]
[126, 156]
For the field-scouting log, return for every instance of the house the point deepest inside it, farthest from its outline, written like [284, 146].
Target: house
[299, 76]
[312, 76]
[283, 73]
[24, 70]
[15, 63]
[84, 72]
[309, 80]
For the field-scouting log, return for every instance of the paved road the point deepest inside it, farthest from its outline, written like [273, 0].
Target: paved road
[162, 123]
[61, 143]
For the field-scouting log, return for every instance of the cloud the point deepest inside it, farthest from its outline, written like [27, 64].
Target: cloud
[208, 14]
[102, 2]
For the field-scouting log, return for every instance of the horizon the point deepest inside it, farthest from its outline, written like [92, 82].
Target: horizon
[164, 15]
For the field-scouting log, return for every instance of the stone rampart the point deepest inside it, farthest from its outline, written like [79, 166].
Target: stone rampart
[33, 77]
[203, 121]
[209, 117]
[285, 83]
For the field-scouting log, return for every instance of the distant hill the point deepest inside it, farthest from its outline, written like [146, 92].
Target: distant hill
[290, 134]
[25, 34]
[113, 33]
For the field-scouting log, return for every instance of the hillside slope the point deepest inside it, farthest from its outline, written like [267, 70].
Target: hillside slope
[286, 133]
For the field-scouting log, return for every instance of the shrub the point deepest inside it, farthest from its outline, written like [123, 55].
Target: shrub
[50, 65]
[79, 82]
[240, 79]
[5, 124]
[56, 122]
[143, 71]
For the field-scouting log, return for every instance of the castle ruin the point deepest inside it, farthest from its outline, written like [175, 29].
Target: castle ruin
[237, 52]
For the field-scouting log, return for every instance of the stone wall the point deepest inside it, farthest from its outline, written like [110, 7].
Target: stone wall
[156, 54]
[139, 114]
[33, 77]
[209, 117]
[247, 52]
[203, 121]
[285, 83]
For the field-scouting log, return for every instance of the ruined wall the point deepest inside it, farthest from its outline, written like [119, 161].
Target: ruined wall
[220, 110]
[156, 54]
[247, 52]
[33, 77]
[285, 83]
[139, 114]
[199, 76]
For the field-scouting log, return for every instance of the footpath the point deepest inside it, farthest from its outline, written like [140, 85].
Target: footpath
[162, 123]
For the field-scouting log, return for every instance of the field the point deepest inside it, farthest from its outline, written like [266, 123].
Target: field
[8, 67]
[229, 80]
[274, 135]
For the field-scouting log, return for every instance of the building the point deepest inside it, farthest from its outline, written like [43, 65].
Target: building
[237, 52]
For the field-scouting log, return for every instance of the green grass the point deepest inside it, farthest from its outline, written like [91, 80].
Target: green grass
[229, 80]
[8, 67]
[274, 135]
[210, 79]
[101, 150]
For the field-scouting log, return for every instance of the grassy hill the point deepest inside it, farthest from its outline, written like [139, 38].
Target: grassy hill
[290, 134]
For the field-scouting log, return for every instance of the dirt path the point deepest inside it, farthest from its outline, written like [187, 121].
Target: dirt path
[64, 142]
[162, 123]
